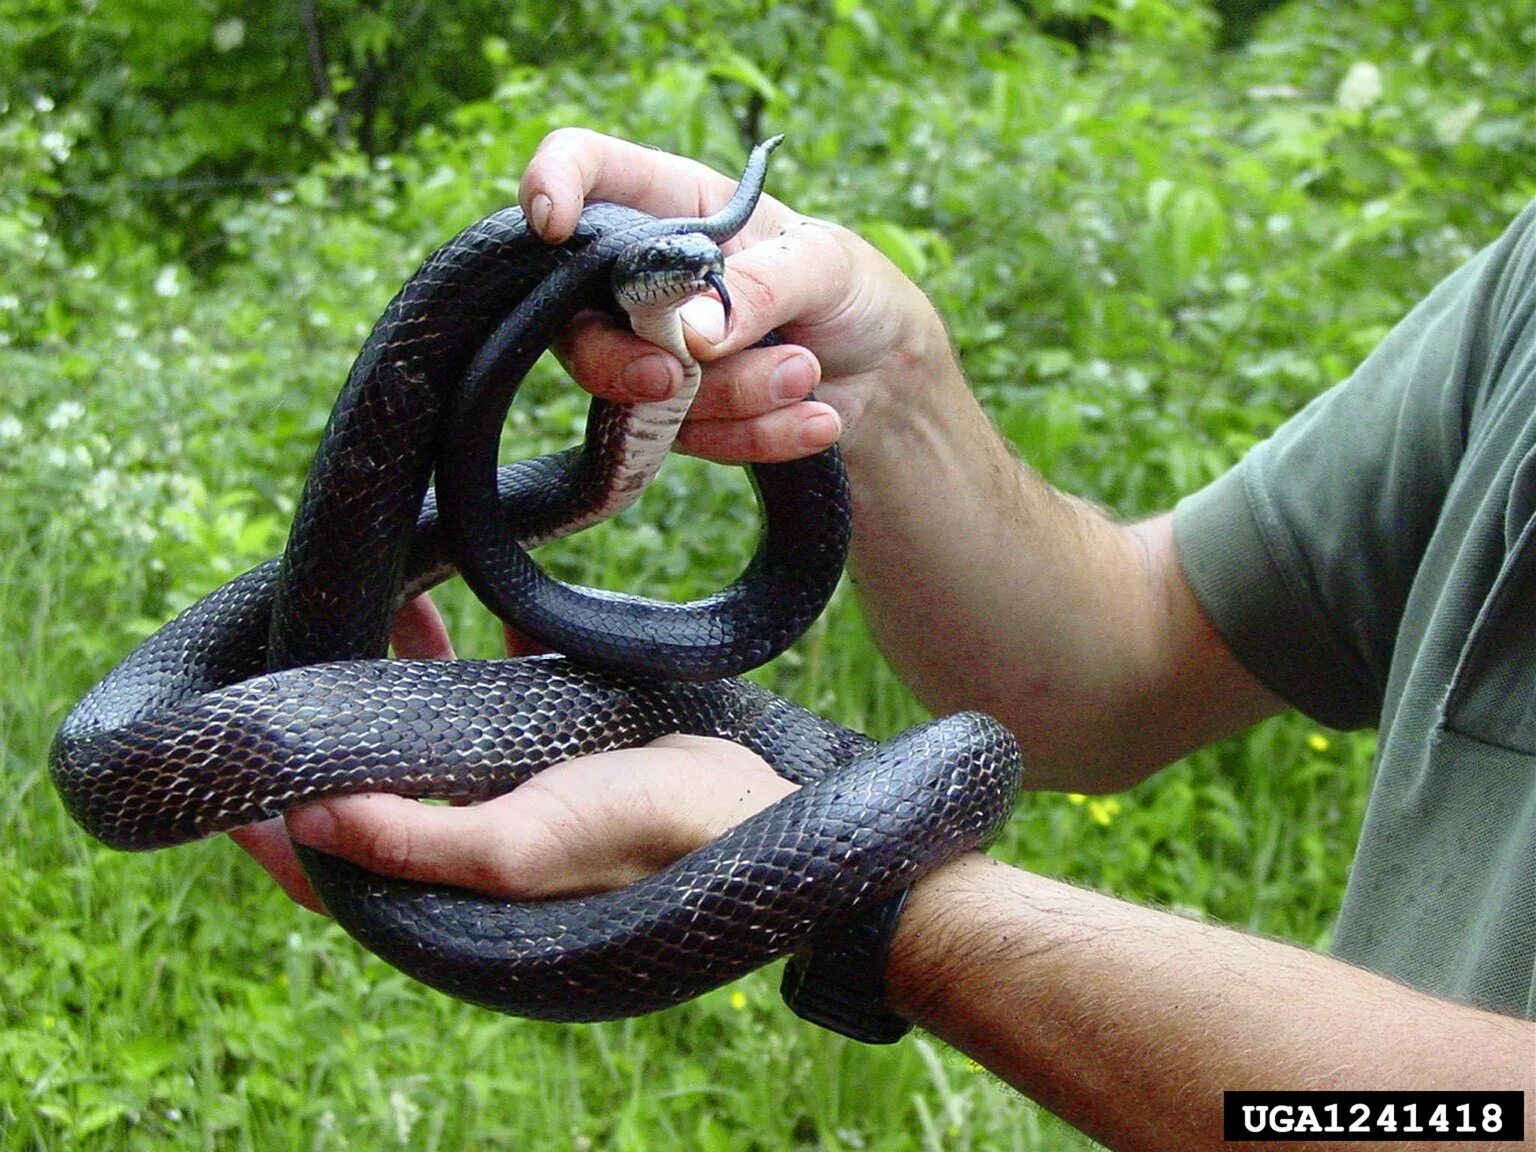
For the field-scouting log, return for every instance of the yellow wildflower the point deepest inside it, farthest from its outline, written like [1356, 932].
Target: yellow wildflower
[1102, 811]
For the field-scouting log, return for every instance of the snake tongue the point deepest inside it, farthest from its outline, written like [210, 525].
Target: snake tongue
[716, 281]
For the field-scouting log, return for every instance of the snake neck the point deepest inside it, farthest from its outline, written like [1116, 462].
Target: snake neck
[649, 429]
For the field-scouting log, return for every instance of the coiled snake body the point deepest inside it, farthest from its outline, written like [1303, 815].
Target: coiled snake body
[273, 691]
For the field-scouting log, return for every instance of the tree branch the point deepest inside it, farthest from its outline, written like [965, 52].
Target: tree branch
[320, 69]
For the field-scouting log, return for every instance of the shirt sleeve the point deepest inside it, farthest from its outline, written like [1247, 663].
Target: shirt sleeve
[1303, 555]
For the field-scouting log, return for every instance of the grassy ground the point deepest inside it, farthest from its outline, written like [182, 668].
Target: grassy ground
[176, 1000]
[1147, 259]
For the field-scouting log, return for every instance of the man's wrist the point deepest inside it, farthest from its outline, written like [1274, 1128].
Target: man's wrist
[930, 936]
[907, 400]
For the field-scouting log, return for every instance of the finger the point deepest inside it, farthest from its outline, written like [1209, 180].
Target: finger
[394, 836]
[616, 364]
[574, 165]
[785, 434]
[587, 825]
[755, 382]
[528, 845]
[729, 781]
[520, 645]
[418, 631]
[802, 277]
[267, 843]
[619, 366]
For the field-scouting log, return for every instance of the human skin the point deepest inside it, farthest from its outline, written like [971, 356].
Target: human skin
[1080, 633]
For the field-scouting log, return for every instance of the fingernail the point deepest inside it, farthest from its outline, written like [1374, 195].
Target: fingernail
[539, 212]
[648, 378]
[792, 379]
[820, 430]
[314, 825]
[704, 315]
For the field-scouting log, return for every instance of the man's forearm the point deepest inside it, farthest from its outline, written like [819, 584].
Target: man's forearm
[988, 589]
[1130, 1023]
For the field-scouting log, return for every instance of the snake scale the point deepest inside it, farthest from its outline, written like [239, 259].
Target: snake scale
[274, 691]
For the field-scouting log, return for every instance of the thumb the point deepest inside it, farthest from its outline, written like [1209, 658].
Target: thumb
[704, 317]
[802, 276]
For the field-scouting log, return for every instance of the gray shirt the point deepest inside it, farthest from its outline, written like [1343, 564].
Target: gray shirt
[1374, 562]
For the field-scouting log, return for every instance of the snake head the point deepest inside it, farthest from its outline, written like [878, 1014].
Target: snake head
[660, 274]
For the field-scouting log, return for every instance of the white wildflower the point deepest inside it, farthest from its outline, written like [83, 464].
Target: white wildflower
[103, 490]
[56, 144]
[1453, 126]
[229, 34]
[406, 1112]
[168, 283]
[1360, 88]
[10, 429]
[64, 414]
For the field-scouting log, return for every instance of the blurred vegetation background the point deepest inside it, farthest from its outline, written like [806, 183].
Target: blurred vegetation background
[1155, 227]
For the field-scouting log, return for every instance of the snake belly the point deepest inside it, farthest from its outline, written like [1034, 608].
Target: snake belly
[272, 691]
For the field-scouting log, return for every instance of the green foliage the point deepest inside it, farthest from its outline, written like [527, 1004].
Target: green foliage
[1149, 252]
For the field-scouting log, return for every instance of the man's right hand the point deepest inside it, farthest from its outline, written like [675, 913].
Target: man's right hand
[855, 326]
[983, 587]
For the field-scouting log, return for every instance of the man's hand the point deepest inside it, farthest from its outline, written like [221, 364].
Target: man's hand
[583, 826]
[984, 588]
[855, 325]
[418, 634]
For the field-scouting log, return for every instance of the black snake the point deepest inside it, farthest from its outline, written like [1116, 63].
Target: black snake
[273, 691]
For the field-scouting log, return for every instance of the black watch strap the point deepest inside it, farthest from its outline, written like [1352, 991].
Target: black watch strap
[838, 981]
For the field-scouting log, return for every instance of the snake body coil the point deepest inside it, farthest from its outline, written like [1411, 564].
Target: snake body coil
[272, 691]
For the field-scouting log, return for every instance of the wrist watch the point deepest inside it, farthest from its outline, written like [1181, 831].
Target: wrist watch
[838, 980]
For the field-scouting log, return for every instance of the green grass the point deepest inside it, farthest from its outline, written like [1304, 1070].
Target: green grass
[1147, 256]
